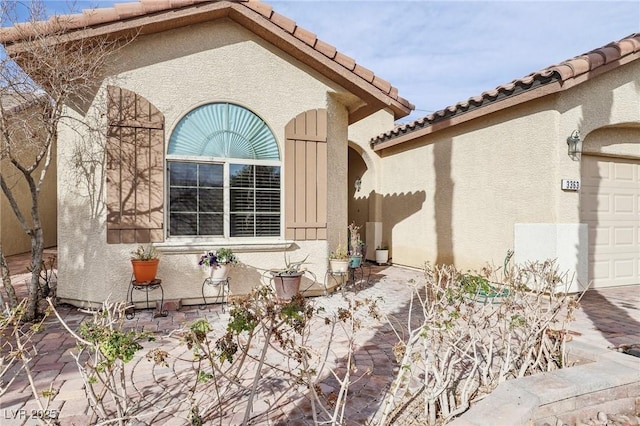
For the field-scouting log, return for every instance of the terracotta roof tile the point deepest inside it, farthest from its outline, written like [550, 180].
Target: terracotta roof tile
[100, 16]
[129, 10]
[326, 49]
[182, 3]
[262, 8]
[381, 84]
[564, 70]
[283, 22]
[611, 53]
[346, 61]
[596, 59]
[305, 36]
[365, 73]
[150, 6]
[76, 20]
[567, 70]
[580, 65]
[629, 45]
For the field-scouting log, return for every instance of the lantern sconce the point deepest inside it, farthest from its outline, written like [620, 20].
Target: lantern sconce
[574, 144]
[358, 184]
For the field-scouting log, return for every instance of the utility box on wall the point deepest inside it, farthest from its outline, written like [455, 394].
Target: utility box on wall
[565, 242]
[374, 239]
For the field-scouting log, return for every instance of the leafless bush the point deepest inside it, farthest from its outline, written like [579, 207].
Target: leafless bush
[103, 349]
[478, 331]
[44, 75]
[18, 353]
[265, 354]
[260, 362]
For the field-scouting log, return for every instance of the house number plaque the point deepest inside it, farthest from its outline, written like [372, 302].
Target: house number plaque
[570, 185]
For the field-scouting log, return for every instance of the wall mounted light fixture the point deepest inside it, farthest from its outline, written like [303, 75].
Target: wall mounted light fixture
[358, 184]
[574, 143]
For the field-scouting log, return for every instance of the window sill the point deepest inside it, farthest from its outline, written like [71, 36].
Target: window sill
[182, 246]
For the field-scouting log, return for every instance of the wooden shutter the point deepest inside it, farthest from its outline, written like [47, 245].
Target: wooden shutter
[135, 160]
[305, 162]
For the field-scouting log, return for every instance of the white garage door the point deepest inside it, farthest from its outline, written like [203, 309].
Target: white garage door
[610, 205]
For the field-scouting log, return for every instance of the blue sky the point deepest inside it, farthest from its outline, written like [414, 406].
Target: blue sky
[440, 52]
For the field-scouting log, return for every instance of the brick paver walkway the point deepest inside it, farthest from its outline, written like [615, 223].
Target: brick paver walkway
[607, 317]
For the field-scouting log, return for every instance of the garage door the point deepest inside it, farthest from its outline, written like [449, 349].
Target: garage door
[610, 205]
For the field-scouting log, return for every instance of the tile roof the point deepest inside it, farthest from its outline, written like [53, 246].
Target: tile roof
[146, 15]
[566, 74]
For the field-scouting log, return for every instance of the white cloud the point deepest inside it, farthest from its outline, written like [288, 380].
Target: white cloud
[440, 52]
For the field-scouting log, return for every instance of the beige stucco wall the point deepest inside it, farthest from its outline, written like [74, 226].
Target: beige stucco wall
[12, 236]
[178, 71]
[455, 196]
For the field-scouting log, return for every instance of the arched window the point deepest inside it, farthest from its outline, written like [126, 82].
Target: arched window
[223, 174]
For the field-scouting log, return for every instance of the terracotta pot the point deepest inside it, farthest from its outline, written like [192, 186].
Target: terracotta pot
[287, 285]
[145, 270]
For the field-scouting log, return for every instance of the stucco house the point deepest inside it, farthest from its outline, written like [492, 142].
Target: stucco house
[547, 165]
[227, 125]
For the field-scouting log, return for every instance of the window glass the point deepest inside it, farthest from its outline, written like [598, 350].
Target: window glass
[195, 203]
[223, 166]
[255, 200]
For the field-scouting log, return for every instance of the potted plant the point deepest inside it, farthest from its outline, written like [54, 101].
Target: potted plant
[382, 255]
[339, 259]
[218, 262]
[144, 261]
[355, 246]
[286, 281]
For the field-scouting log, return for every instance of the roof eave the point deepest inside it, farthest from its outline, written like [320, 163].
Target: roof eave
[140, 25]
[255, 22]
[459, 118]
[373, 96]
[560, 82]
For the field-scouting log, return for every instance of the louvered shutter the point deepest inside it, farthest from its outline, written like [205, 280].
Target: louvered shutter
[306, 176]
[135, 145]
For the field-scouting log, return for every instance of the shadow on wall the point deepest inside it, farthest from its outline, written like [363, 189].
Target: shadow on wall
[395, 208]
[440, 191]
[443, 203]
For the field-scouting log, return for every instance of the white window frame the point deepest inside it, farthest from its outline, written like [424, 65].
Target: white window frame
[226, 198]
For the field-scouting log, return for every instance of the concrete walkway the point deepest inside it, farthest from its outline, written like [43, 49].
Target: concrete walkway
[607, 318]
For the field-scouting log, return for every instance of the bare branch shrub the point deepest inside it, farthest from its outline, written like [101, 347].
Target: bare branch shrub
[265, 354]
[18, 353]
[42, 74]
[478, 331]
[261, 361]
[103, 349]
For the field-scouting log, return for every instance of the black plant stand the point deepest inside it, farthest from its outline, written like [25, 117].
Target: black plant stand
[224, 294]
[361, 269]
[145, 286]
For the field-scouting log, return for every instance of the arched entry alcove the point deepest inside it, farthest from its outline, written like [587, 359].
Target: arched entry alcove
[360, 186]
